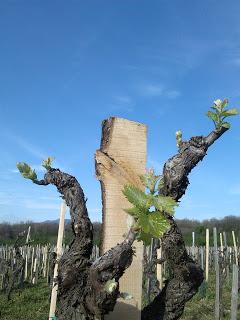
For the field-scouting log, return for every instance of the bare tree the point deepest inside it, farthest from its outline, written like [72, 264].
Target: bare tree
[83, 285]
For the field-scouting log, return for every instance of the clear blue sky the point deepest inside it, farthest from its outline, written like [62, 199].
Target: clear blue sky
[67, 65]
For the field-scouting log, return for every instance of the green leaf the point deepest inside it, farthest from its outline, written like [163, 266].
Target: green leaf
[48, 162]
[224, 103]
[160, 184]
[137, 197]
[158, 224]
[26, 171]
[226, 125]
[145, 237]
[143, 222]
[212, 116]
[166, 204]
[134, 211]
[230, 112]
[150, 180]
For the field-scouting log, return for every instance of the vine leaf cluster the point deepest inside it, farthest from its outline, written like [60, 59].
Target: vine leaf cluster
[150, 209]
[220, 113]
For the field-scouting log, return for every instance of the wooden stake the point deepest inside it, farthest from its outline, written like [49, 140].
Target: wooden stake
[234, 296]
[207, 254]
[235, 248]
[26, 266]
[221, 243]
[59, 253]
[193, 239]
[34, 271]
[159, 269]
[45, 250]
[28, 235]
[217, 281]
[32, 264]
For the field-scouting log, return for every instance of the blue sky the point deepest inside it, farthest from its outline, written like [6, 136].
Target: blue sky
[67, 65]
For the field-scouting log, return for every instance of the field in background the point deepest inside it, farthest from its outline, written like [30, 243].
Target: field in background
[46, 232]
[33, 303]
[220, 260]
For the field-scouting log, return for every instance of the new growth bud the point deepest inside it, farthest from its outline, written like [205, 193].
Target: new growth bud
[110, 286]
[179, 137]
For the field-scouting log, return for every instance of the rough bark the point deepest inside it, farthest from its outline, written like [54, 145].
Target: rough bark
[187, 275]
[75, 262]
[82, 294]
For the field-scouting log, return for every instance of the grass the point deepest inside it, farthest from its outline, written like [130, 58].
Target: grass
[202, 305]
[33, 303]
[30, 303]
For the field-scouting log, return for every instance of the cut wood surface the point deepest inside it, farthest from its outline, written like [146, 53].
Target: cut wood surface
[120, 161]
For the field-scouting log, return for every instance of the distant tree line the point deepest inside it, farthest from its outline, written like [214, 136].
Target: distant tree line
[46, 232]
[42, 232]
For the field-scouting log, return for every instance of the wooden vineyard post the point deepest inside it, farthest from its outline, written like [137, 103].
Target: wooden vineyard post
[120, 161]
[26, 266]
[159, 268]
[226, 254]
[34, 270]
[48, 258]
[217, 280]
[59, 253]
[221, 243]
[193, 246]
[149, 282]
[234, 296]
[45, 251]
[207, 254]
[28, 235]
[235, 248]
[32, 263]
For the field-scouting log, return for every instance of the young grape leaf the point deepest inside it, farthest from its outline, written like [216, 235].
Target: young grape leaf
[145, 237]
[48, 162]
[160, 184]
[137, 197]
[158, 224]
[221, 113]
[150, 180]
[134, 211]
[230, 112]
[26, 171]
[143, 222]
[166, 204]
[212, 116]
[226, 125]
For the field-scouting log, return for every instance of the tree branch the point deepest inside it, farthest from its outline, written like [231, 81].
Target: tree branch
[187, 276]
[82, 228]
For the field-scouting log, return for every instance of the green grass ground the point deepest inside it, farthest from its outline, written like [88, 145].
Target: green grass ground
[30, 303]
[33, 303]
[203, 303]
